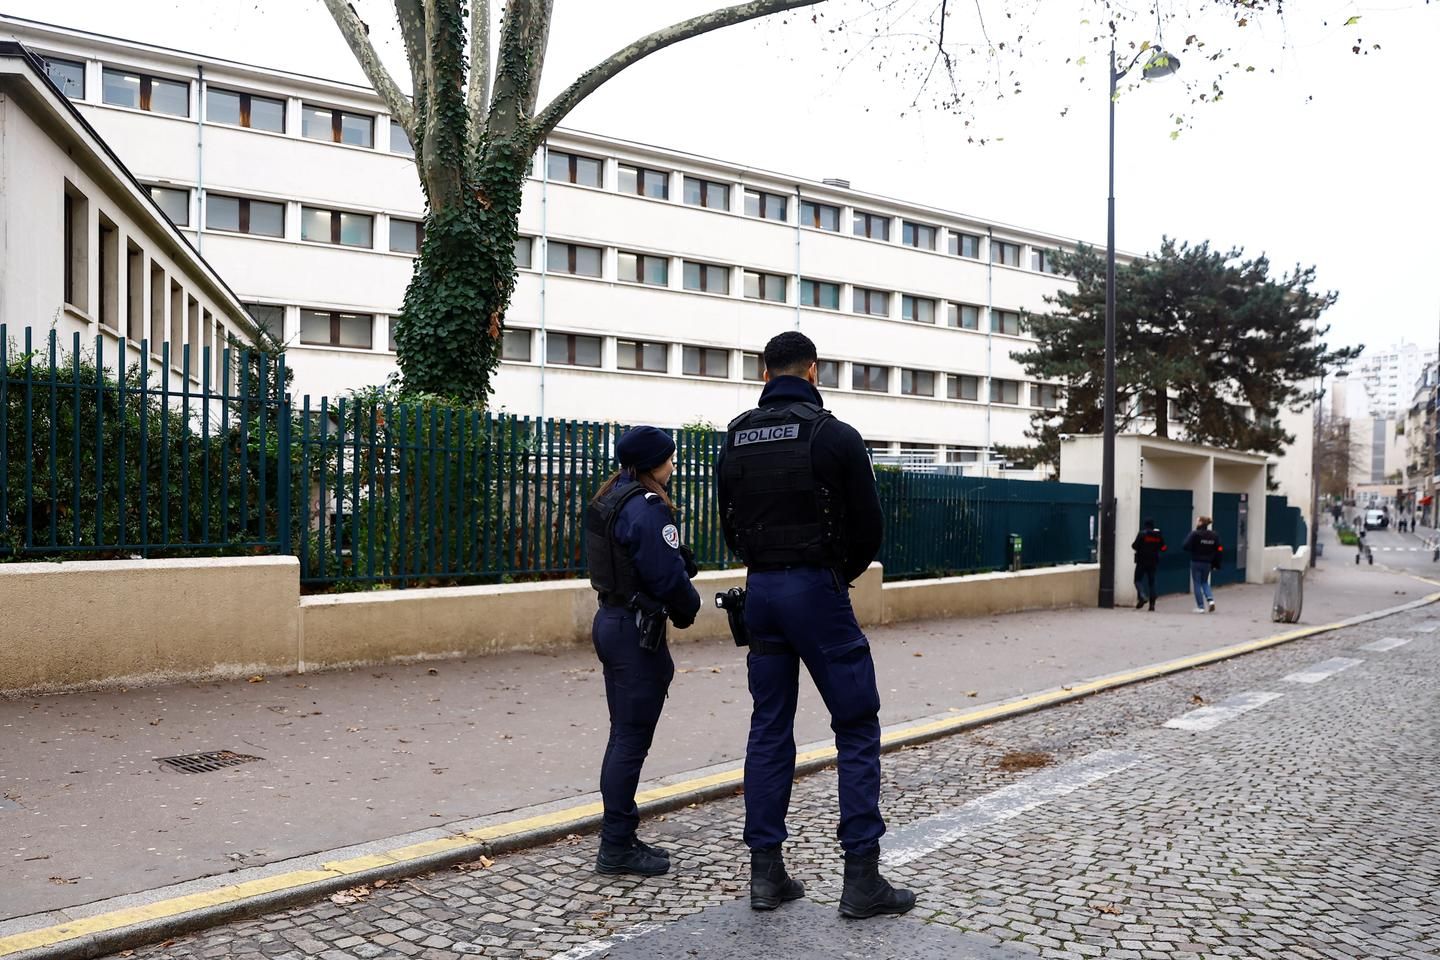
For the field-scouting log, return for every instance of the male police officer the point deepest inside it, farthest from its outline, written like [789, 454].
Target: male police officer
[1148, 544]
[799, 507]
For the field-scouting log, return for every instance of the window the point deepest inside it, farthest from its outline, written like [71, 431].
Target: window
[645, 183]
[962, 387]
[764, 286]
[872, 225]
[337, 126]
[917, 383]
[269, 318]
[1005, 321]
[68, 75]
[1004, 391]
[1043, 261]
[638, 355]
[706, 362]
[77, 248]
[865, 376]
[335, 226]
[108, 247]
[121, 88]
[515, 345]
[827, 373]
[399, 141]
[1045, 395]
[706, 277]
[918, 235]
[406, 235]
[1004, 253]
[572, 258]
[917, 309]
[242, 215]
[821, 216]
[524, 252]
[643, 268]
[158, 283]
[573, 168]
[876, 303]
[964, 245]
[752, 366]
[244, 110]
[707, 193]
[766, 206]
[818, 293]
[962, 455]
[963, 316]
[572, 350]
[174, 203]
[134, 292]
[330, 329]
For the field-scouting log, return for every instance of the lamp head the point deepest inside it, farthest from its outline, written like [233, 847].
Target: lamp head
[1160, 64]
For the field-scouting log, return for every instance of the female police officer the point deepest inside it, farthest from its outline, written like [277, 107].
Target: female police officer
[643, 576]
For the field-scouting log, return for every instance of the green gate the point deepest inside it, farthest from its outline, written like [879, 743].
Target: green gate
[1231, 521]
[1172, 511]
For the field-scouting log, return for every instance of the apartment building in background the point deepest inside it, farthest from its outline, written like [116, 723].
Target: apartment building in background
[649, 279]
[1389, 377]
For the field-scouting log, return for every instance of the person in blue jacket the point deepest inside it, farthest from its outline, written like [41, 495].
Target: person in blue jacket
[642, 575]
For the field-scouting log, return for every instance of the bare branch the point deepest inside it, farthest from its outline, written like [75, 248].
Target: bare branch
[539, 41]
[514, 80]
[477, 99]
[357, 35]
[412, 30]
[592, 79]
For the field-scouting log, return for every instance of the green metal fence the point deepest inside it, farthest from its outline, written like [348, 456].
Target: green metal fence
[102, 459]
[1284, 525]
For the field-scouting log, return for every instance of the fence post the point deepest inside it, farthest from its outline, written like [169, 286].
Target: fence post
[284, 492]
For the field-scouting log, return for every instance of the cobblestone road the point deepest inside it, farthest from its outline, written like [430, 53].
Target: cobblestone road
[1304, 826]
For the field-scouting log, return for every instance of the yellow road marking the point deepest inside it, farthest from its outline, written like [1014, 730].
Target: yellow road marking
[48, 936]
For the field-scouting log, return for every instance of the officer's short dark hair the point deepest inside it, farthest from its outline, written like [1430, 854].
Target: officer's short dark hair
[789, 354]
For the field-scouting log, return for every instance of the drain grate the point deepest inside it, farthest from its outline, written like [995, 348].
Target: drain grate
[206, 762]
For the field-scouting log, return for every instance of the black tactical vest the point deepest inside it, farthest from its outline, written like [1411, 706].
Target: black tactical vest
[612, 569]
[781, 516]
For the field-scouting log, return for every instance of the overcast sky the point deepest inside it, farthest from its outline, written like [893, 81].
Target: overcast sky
[1330, 160]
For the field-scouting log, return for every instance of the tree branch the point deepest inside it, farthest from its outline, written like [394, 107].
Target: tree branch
[412, 30]
[514, 80]
[592, 79]
[538, 41]
[357, 35]
[477, 99]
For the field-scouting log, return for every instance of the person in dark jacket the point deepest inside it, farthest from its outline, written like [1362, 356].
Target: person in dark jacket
[642, 574]
[1206, 551]
[1148, 544]
[798, 505]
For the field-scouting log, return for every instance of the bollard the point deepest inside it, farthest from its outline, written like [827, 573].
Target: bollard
[1289, 596]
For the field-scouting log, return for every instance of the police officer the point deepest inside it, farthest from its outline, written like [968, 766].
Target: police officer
[1205, 549]
[799, 506]
[1148, 544]
[642, 574]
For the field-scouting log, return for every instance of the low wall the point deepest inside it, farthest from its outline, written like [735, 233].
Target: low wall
[1046, 588]
[146, 621]
[1283, 558]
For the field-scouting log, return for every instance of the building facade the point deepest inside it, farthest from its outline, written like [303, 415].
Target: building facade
[1390, 376]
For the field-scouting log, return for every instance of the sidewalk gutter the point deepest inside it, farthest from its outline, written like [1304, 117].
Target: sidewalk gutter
[107, 926]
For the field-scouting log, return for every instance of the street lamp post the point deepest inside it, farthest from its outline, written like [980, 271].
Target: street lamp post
[1160, 64]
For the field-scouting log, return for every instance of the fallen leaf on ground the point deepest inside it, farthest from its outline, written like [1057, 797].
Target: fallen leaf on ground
[917, 654]
[433, 672]
[352, 895]
[972, 693]
[380, 883]
[258, 678]
[1024, 760]
[1196, 699]
[61, 881]
[1109, 908]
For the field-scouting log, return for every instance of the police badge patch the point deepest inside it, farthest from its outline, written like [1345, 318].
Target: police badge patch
[671, 535]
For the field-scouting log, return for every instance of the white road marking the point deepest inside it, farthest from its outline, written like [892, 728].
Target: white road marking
[1387, 643]
[1428, 628]
[1322, 670]
[1208, 718]
[605, 943]
[925, 836]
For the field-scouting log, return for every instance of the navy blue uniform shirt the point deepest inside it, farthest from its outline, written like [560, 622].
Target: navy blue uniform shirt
[647, 530]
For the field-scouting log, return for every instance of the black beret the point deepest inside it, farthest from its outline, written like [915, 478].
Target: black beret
[644, 448]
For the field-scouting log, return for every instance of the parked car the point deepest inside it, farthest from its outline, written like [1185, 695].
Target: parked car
[1376, 520]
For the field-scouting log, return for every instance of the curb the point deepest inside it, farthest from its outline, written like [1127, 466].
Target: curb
[149, 917]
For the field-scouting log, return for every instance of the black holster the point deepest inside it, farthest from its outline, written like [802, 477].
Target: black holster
[650, 617]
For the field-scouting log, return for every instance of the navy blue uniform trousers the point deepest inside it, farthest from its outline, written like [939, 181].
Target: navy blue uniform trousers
[805, 614]
[636, 682]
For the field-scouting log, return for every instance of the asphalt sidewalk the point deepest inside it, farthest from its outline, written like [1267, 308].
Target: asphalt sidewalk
[357, 755]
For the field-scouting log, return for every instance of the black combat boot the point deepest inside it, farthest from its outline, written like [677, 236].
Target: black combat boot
[770, 885]
[866, 893]
[633, 858]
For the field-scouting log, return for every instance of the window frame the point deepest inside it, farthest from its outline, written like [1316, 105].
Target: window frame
[1042, 260]
[640, 262]
[641, 174]
[278, 334]
[998, 385]
[913, 375]
[151, 188]
[334, 318]
[954, 384]
[573, 258]
[958, 308]
[867, 293]
[145, 94]
[64, 88]
[419, 226]
[914, 302]
[764, 282]
[336, 221]
[1038, 392]
[815, 286]
[517, 332]
[573, 170]
[958, 239]
[572, 341]
[866, 371]
[915, 229]
[763, 201]
[242, 216]
[705, 189]
[999, 250]
[814, 221]
[998, 322]
[705, 268]
[640, 354]
[870, 219]
[820, 377]
[529, 263]
[704, 353]
[246, 109]
[337, 125]
[745, 357]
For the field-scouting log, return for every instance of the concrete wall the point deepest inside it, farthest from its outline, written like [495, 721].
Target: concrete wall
[138, 621]
[1049, 588]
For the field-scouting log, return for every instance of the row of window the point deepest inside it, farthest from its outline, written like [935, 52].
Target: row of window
[584, 350]
[122, 270]
[139, 91]
[699, 192]
[584, 260]
[266, 218]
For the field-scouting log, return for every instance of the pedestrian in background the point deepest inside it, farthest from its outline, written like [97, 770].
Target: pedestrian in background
[642, 575]
[1148, 544]
[799, 507]
[1205, 549]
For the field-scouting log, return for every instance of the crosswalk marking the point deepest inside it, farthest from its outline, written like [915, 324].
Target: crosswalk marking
[1322, 670]
[1208, 718]
[1386, 643]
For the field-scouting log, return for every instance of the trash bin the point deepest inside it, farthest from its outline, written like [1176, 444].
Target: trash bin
[1017, 546]
[1289, 596]
[1319, 549]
